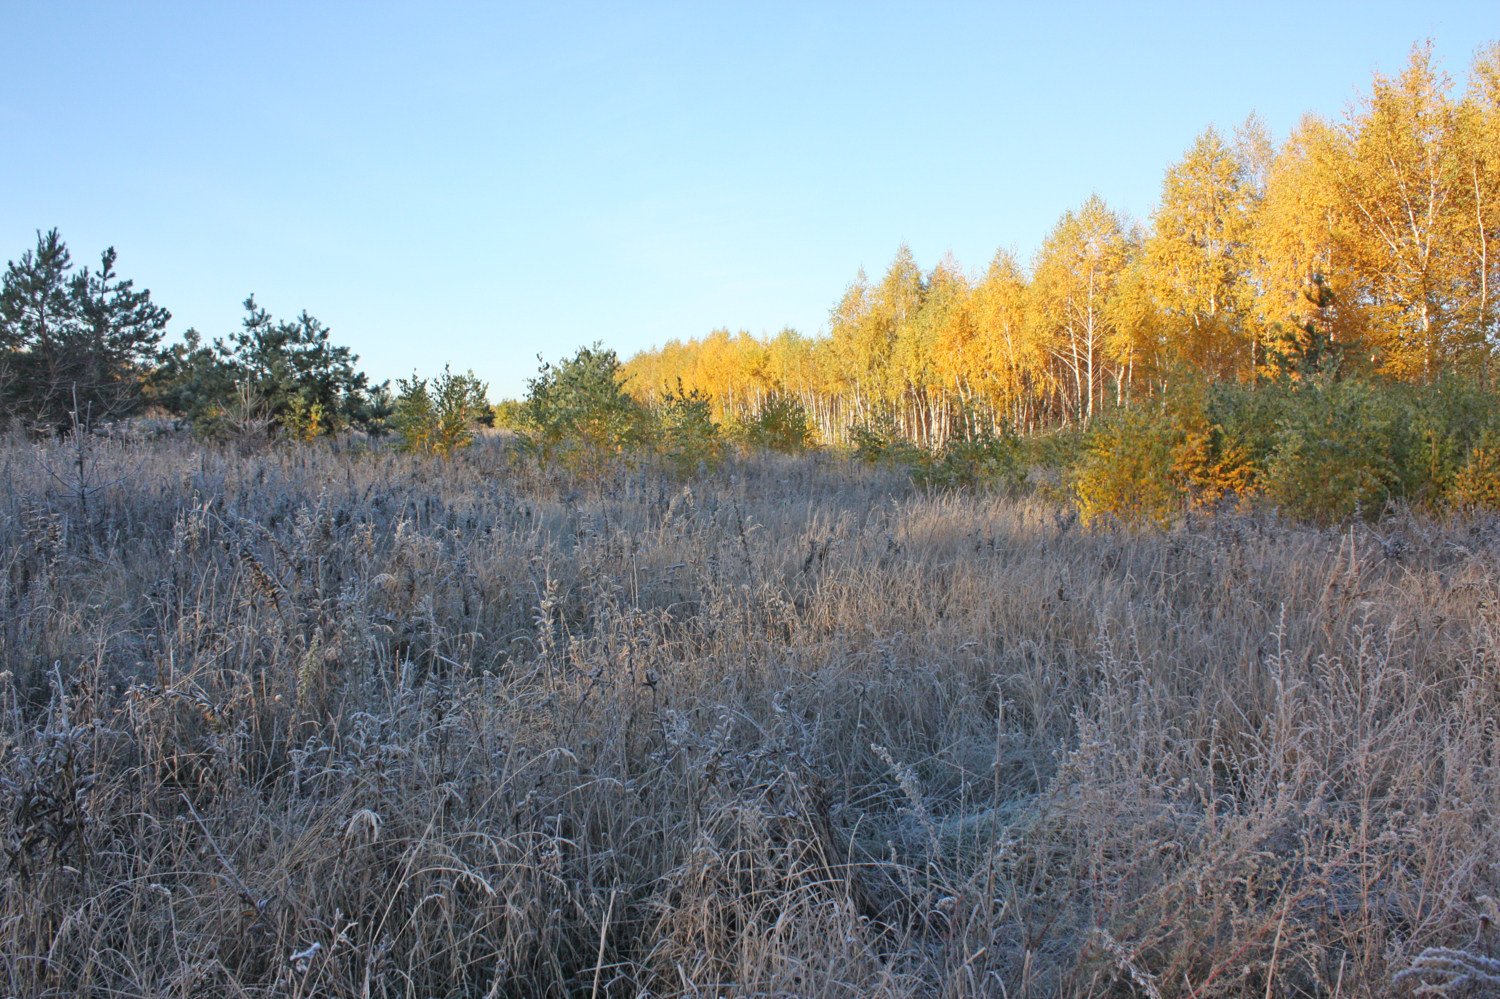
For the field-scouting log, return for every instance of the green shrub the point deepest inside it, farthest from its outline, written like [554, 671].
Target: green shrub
[1446, 421]
[578, 414]
[1476, 484]
[506, 414]
[437, 417]
[867, 445]
[781, 425]
[878, 442]
[304, 423]
[685, 433]
[1058, 448]
[986, 460]
[1338, 453]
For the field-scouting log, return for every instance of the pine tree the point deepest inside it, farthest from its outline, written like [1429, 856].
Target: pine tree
[438, 417]
[580, 405]
[291, 366]
[73, 346]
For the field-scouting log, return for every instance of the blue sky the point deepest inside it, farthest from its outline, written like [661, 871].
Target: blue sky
[477, 183]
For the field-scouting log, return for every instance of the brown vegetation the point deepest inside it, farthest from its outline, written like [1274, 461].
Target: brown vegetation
[317, 723]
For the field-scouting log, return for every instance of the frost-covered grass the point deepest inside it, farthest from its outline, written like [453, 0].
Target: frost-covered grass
[316, 723]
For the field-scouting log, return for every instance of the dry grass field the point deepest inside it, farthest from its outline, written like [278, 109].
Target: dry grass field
[308, 723]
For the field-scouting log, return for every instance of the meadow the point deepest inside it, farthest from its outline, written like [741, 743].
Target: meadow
[329, 721]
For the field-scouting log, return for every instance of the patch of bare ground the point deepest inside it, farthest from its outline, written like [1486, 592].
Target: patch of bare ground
[309, 723]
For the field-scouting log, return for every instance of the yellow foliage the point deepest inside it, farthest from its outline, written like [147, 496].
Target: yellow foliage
[1073, 297]
[304, 423]
[1477, 484]
[1389, 213]
[1129, 471]
[1197, 256]
[1209, 477]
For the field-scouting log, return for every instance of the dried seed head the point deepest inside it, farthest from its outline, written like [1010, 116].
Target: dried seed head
[364, 826]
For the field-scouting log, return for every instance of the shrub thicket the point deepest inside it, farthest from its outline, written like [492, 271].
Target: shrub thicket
[506, 414]
[1475, 485]
[1128, 469]
[1323, 449]
[1338, 452]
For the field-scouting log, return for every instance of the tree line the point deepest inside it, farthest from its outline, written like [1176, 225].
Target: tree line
[81, 347]
[1311, 321]
[1372, 238]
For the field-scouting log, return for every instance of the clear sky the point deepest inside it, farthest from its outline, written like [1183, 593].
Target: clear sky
[477, 183]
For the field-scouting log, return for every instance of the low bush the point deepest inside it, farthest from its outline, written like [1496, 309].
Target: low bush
[1322, 449]
[1058, 448]
[1476, 484]
[685, 434]
[438, 417]
[1338, 452]
[506, 414]
[1129, 469]
[879, 442]
[987, 460]
[781, 425]
[1444, 422]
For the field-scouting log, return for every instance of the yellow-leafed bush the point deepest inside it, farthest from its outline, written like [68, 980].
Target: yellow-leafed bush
[1214, 473]
[1477, 484]
[1129, 471]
